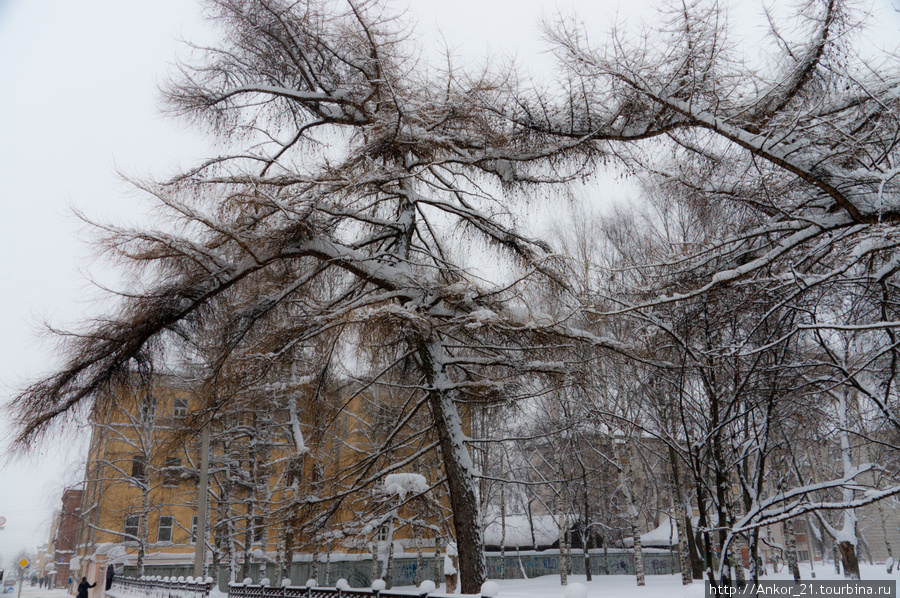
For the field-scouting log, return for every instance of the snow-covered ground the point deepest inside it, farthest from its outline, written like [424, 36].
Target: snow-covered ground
[36, 592]
[602, 586]
[658, 586]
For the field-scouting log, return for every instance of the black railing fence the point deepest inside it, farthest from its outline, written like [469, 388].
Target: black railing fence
[165, 587]
[260, 591]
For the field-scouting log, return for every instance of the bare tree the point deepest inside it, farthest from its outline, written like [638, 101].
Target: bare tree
[353, 180]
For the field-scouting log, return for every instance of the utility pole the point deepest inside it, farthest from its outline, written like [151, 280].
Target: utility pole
[202, 499]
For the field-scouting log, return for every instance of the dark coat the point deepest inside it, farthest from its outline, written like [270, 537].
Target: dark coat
[83, 588]
[110, 575]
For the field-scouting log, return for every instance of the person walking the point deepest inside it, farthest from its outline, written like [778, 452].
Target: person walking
[83, 588]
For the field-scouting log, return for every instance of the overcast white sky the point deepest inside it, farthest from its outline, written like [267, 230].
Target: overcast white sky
[77, 101]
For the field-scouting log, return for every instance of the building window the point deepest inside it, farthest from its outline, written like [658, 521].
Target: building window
[180, 409]
[139, 468]
[383, 533]
[164, 533]
[194, 530]
[172, 471]
[132, 527]
[257, 529]
[148, 407]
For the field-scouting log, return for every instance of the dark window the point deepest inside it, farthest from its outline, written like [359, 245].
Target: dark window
[180, 409]
[164, 533]
[383, 533]
[172, 471]
[194, 530]
[139, 468]
[148, 407]
[257, 529]
[132, 526]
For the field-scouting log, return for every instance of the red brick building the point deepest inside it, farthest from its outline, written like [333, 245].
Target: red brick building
[67, 535]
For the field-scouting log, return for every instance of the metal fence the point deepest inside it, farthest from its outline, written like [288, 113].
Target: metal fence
[406, 571]
[166, 587]
[258, 591]
[154, 587]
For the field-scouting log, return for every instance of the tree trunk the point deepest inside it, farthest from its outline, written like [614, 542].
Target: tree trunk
[684, 556]
[388, 573]
[754, 556]
[586, 542]
[375, 557]
[684, 525]
[693, 551]
[142, 543]
[315, 562]
[605, 557]
[418, 540]
[438, 565]
[502, 531]
[836, 558]
[458, 469]
[849, 559]
[563, 569]
[638, 553]
[279, 555]
[790, 548]
[738, 556]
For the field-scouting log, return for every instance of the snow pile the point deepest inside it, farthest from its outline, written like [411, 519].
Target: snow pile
[576, 590]
[449, 568]
[427, 586]
[404, 483]
[489, 589]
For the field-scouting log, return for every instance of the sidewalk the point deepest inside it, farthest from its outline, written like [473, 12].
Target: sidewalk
[36, 592]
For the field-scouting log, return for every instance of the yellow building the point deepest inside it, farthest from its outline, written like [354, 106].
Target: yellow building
[294, 473]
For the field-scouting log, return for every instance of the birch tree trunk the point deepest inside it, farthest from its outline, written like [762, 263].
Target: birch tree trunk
[419, 561]
[847, 538]
[625, 482]
[438, 565]
[388, 573]
[502, 531]
[638, 554]
[790, 548]
[738, 559]
[563, 569]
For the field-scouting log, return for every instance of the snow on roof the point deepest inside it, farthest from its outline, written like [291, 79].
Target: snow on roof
[518, 531]
[663, 536]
